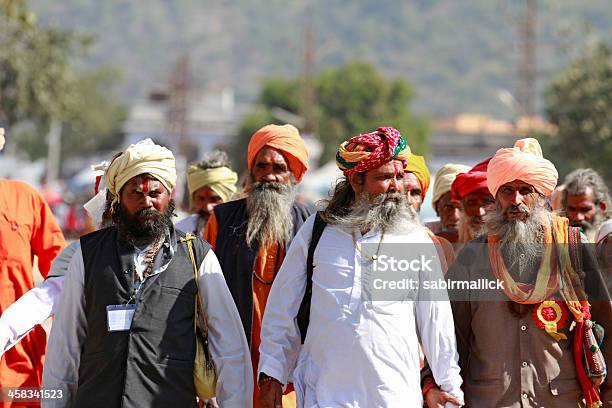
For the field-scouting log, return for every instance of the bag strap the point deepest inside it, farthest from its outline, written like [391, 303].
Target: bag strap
[188, 239]
[303, 317]
[575, 248]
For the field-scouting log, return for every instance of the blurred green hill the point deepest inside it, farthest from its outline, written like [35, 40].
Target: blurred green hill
[456, 54]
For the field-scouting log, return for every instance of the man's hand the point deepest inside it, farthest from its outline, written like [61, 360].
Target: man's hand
[271, 394]
[436, 398]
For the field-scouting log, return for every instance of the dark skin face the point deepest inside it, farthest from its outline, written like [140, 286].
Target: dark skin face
[413, 190]
[205, 199]
[582, 207]
[513, 195]
[388, 178]
[143, 192]
[475, 203]
[270, 165]
[448, 210]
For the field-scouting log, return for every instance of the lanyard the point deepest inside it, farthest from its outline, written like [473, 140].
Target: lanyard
[136, 287]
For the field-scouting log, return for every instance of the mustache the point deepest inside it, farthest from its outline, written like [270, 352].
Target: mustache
[522, 208]
[269, 186]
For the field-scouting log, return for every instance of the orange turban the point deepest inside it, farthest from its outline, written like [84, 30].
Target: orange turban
[466, 183]
[417, 166]
[285, 138]
[522, 162]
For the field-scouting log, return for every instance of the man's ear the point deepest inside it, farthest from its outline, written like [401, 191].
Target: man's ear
[603, 206]
[356, 181]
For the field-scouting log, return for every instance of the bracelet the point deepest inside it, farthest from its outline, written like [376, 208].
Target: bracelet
[428, 387]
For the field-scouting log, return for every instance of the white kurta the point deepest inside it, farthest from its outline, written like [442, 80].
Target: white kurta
[227, 342]
[36, 305]
[358, 354]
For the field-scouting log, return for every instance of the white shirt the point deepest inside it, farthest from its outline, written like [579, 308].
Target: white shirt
[357, 354]
[227, 342]
[36, 305]
[191, 223]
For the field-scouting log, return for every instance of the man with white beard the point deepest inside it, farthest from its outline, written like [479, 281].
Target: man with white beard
[586, 201]
[517, 344]
[356, 352]
[251, 236]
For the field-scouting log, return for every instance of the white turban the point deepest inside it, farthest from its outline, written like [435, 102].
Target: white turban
[1, 139]
[444, 179]
[140, 158]
[522, 162]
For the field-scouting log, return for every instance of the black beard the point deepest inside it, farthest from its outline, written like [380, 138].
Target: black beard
[144, 227]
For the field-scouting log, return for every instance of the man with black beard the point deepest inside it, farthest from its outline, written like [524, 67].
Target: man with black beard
[586, 201]
[357, 351]
[123, 334]
[251, 236]
[517, 341]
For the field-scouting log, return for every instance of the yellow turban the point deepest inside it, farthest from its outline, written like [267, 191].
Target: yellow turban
[221, 180]
[444, 179]
[140, 158]
[522, 162]
[417, 166]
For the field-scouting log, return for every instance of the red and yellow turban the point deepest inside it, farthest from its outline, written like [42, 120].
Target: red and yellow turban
[371, 150]
[522, 162]
[285, 138]
[466, 183]
[417, 166]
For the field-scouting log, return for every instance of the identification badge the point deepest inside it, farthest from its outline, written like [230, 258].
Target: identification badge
[119, 317]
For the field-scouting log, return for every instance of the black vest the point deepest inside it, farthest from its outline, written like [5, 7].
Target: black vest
[151, 365]
[237, 259]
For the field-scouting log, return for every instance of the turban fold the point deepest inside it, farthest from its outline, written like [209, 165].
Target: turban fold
[221, 180]
[285, 138]
[474, 179]
[417, 166]
[142, 157]
[371, 150]
[444, 179]
[522, 162]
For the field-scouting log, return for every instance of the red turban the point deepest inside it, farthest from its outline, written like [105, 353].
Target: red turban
[522, 162]
[417, 166]
[285, 138]
[466, 183]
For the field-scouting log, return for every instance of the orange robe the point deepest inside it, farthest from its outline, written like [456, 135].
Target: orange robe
[265, 264]
[27, 228]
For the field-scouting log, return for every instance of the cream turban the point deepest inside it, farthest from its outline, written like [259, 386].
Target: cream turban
[444, 179]
[522, 162]
[221, 180]
[140, 158]
[1, 139]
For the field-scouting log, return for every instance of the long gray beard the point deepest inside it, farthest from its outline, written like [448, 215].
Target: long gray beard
[387, 212]
[269, 207]
[522, 242]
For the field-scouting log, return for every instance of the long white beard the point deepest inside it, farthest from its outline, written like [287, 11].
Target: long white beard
[385, 212]
[269, 207]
